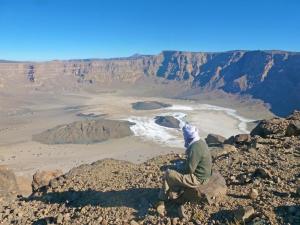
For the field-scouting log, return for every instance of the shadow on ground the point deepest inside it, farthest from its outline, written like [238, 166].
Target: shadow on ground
[139, 199]
[288, 214]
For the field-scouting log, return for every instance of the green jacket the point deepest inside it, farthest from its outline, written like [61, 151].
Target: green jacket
[199, 160]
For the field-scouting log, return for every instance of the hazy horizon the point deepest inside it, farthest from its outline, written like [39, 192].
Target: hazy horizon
[141, 54]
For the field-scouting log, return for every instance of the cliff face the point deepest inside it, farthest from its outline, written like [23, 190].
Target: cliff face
[272, 76]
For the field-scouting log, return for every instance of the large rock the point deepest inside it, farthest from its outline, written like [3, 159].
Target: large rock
[167, 121]
[42, 178]
[85, 132]
[293, 128]
[213, 191]
[149, 105]
[8, 182]
[214, 140]
[242, 139]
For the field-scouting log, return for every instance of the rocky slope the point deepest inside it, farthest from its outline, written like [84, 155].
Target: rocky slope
[272, 76]
[262, 174]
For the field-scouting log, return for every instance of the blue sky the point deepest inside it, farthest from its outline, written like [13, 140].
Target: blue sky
[65, 29]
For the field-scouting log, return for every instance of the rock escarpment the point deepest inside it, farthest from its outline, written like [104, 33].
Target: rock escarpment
[85, 132]
[272, 76]
[261, 172]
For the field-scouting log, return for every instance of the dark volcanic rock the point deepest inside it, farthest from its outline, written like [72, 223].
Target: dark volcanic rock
[167, 121]
[149, 105]
[214, 140]
[85, 132]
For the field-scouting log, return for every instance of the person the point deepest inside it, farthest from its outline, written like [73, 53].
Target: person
[197, 168]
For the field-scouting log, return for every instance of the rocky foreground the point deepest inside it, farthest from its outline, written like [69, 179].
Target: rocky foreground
[262, 172]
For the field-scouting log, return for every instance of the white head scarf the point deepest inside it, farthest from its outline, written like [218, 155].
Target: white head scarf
[190, 134]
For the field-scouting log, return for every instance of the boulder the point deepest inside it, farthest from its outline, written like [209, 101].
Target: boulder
[8, 182]
[167, 121]
[211, 192]
[42, 178]
[149, 105]
[214, 140]
[242, 139]
[293, 128]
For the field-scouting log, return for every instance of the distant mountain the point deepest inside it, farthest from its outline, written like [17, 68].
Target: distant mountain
[272, 76]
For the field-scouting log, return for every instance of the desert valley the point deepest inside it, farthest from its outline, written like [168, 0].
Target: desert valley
[102, 130]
